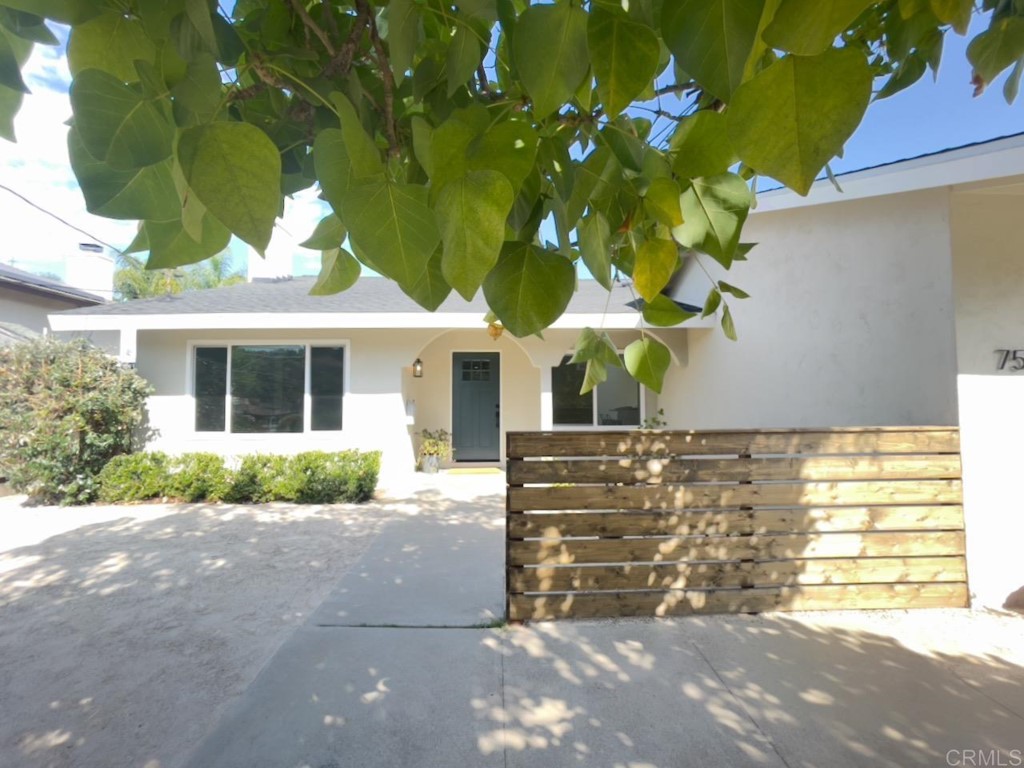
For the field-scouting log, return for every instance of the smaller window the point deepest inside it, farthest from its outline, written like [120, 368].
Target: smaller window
[326, 387]
[617, 401]
[211, 386]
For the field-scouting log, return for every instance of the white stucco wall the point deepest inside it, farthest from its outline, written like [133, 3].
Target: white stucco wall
[850, 322]
[988, 248]
[374, 413]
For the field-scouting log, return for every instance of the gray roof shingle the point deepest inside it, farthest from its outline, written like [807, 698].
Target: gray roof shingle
[369, 294]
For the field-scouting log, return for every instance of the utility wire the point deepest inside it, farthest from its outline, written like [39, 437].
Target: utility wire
[62, 221]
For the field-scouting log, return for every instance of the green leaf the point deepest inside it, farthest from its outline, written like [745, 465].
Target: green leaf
[529, 288]
[430, 290]
[462, 58]
[956, 13]
[1012, 84]
[558, 166]
[333, 169]
[10, 66]
[909, 72]
[596, 247]
[712, 40]
[422, 138]
[449, 147]
[797, 113]
[594, 374]
[112, 42]
[712, 302]
[142, 193]
[702, 147]
[592, 346]
[329, 234]
[362, 152]
[10, 103]
[661, 311]
[403, 35]
[809, 27]
[339, 271]
[550, 52]
[656, 262]
[727, 324]
[625, 143]
[732, 289]
[198, 12]
[714, 210]
[471, 212]
[394, 225]
[624, 56]
[197, 96]
[662, 199]
[647, 360]
[170, 246]
[997, 48]
[509, 147]
[235, 171]
[117, 124]
[27, 26]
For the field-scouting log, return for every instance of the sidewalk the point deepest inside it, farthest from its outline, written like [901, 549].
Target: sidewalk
[398, 668]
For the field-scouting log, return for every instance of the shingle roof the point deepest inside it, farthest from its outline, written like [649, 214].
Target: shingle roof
[19, 278]
[369, 294]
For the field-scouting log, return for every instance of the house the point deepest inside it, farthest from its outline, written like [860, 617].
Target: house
[898, 301]
[26, 301]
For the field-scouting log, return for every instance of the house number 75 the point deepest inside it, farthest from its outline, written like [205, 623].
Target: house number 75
[1010, 360]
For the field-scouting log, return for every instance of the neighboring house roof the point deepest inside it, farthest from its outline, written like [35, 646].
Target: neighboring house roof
[12, 333]
[21, 280]
[373, 302]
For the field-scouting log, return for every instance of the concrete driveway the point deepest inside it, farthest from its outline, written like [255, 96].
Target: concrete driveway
[395, 669]
[387, 656]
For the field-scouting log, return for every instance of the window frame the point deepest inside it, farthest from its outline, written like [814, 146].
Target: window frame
[594, 426]
[307, 397]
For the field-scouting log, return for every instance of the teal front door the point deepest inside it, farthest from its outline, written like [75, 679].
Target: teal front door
[476, 406]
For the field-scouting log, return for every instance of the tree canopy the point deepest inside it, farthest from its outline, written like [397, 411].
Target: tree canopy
[443, 134]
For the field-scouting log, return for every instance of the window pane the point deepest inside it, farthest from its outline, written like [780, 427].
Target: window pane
[569, 406]
[618, 399]
[210, 386]
[327, 386]
[267, 386]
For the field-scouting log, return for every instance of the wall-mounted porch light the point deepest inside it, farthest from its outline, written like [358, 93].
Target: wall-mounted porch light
[417, 369]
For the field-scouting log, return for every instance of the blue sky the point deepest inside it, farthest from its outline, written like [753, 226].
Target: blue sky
[928, 117]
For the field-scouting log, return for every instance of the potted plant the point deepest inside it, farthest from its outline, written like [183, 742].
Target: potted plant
[435, 447]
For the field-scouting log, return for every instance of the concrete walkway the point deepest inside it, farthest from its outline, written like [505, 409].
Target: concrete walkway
[398, 668]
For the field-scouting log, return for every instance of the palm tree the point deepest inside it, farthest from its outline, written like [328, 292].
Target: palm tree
[133, 281]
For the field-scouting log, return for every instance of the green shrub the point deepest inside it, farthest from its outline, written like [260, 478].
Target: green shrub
[198, 477]
[313, 477]
[134, 477]
[66, 409]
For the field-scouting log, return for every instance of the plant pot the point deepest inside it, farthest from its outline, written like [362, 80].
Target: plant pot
[429, 464]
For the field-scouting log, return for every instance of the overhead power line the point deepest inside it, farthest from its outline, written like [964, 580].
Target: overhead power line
[65, 222]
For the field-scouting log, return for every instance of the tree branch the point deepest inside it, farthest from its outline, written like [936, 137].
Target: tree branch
[390, 129]
[312, 26]
[342, 62]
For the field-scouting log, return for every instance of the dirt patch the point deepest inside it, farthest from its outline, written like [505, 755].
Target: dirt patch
[125, 631]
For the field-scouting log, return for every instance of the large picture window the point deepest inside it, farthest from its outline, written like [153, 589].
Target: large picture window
[268, 388]
[613, 402]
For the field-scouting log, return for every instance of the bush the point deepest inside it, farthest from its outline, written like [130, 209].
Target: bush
[198, 477]
[134, 477]
[66, 409]
[313, 477]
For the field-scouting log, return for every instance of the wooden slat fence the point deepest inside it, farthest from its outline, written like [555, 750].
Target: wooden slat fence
[673, 523]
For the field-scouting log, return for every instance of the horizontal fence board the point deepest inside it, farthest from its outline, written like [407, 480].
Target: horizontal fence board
[710, 443]
[675, 470]
[665, 576]
[707, 548]
[735, 521]
[715, 496]
[690, 602]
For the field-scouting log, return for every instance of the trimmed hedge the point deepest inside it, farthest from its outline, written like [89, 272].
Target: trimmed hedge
[313, 477]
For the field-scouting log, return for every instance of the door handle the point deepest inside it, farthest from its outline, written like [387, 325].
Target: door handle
[497, 416]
